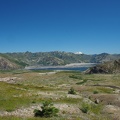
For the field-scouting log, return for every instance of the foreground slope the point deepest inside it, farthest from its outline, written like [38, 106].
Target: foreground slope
[21, 92]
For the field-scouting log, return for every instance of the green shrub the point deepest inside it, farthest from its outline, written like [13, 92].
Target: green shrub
[85, 107]
[95, 92]
[48, 110]
[75, 77]
[71, 91]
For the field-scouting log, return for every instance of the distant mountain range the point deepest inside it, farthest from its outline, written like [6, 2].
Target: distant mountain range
[55, 58]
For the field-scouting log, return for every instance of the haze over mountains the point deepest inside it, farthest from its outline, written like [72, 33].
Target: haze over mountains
[55, 58]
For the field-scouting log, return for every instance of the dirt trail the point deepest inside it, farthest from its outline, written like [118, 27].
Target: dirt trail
[8, 79]
[111, 86]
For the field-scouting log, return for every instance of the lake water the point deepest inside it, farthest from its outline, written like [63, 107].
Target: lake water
[73, 67]
[70, 68]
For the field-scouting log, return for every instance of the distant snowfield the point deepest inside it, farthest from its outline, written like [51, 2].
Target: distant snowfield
[72, 65]
[78, 53]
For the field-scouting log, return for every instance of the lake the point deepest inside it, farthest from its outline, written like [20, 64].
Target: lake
[70, 68]
[73, 67]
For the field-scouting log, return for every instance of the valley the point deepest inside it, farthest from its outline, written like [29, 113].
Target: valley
[20, 60]
[29, 80]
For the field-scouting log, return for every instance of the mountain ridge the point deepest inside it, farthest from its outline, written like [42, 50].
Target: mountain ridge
[55, 58]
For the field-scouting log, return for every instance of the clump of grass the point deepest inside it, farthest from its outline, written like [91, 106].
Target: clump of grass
[105, 90]
[75, 77]
[86, 107]
[95, 92]
[69, 100]
[96, 109]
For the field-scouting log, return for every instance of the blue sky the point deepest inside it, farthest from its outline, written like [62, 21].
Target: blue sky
[89, 26]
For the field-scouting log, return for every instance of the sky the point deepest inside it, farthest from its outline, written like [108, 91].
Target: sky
[89, 26]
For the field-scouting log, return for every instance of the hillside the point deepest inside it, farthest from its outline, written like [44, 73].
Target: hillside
[46, 58]
[104, 57]
[60, 58]
[106, 67]
[5, 64]
[55, 58]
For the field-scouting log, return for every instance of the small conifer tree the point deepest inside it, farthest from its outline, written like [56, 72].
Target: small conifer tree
[48, 110]
[71, 91]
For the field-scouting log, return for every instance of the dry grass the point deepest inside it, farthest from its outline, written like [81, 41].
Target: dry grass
[29, 89]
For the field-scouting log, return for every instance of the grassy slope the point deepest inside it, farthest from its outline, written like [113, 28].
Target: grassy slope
[31, 89]
[14, 60]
